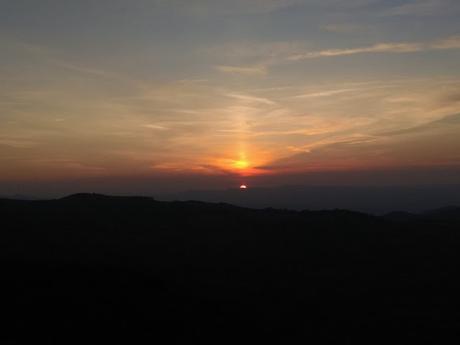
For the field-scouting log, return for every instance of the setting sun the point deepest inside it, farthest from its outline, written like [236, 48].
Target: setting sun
[243, 186]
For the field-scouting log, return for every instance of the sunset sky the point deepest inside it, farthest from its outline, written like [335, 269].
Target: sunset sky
[198, 93]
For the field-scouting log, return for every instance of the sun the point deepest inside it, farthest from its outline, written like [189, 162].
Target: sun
[243, 186]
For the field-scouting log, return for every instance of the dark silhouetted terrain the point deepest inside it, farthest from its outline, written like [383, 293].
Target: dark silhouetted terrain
[370, 199]
[92, 269]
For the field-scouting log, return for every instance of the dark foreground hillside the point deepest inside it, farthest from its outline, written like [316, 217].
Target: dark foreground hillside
[90, 269]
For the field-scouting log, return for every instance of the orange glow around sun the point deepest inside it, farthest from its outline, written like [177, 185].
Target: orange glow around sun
[241, 166]
[242, 163]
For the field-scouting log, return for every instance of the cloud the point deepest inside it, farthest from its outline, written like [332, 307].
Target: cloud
[447, 121]
[251, 99]
[376, 48]
[17, 143]
[345, 28]
[156, 127]
[452, 98]
[225, 7]
[252, 58]
[324, 93]
[85, 168]
[335, 153]
[452, 42]
[266, 6]
[424, 8]
[53, 57]
[249, 71]
[448, 43]
[235, 7]
[281, 52]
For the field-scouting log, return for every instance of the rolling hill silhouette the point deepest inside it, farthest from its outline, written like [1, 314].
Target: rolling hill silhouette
[98, 269]
[377, 200]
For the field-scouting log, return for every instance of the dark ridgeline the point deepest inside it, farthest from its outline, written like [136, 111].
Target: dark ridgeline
[371, 199]
[92, 269]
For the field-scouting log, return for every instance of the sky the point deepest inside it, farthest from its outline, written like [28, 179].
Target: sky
[179, 94]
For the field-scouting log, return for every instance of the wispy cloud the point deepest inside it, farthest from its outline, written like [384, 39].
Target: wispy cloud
[54, 58]
[282, 52]
[234, 7]
[342, 28]
[447, 121]
[452, 42]
[251, 99]
[252, 58]
[424, 8]
[17, 143]
[154, 126]
[324, 93]
[376, 48]
[447, 43]
[249, 70]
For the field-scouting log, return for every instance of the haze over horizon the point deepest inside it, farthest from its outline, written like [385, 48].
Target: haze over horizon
[142, 96]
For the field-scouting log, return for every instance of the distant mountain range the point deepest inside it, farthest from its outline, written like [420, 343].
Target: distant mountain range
[369, 199]
[447, 213]
[378, 200]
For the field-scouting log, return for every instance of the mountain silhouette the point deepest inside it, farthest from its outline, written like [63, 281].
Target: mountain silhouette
[98, 269]
[379, 200]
